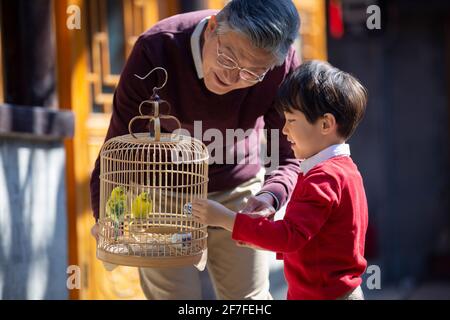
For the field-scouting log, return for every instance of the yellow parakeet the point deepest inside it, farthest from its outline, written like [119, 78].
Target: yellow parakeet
[142, 206]
[116, 206]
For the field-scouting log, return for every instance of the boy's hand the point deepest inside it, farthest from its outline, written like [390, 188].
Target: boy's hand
[213, 213]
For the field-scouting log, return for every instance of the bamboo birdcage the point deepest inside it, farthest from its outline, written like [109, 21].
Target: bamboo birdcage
[147, 184]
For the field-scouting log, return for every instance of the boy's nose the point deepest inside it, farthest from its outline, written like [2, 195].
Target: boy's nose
[284, 130]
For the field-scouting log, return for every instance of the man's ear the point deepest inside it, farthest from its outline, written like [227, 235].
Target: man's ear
[328, 123]
[211, 26]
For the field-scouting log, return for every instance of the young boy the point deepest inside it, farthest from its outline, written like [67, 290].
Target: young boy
[321, 237]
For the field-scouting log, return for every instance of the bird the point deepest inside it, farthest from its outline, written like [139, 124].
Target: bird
[116, 206]
[142, 206]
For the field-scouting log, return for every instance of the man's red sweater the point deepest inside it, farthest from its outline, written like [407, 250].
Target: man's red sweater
[321, 238]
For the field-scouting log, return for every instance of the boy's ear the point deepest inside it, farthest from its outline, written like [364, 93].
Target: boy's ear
[328, 123]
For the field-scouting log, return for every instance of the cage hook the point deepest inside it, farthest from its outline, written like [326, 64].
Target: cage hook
[155, 89]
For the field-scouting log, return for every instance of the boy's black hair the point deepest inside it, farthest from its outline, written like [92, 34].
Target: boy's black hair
[316, 88]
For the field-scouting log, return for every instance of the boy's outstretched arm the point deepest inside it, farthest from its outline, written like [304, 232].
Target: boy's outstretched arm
[215, 214]
[307, 212]
[278, 236]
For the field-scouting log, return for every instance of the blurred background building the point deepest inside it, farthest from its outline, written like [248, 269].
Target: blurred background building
[56, 89]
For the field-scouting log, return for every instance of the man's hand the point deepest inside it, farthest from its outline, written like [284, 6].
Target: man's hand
[94, 231]
[213, 213]
[262, 203]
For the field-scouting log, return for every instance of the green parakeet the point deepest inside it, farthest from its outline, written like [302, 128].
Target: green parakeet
[116, 206]
[142, 206]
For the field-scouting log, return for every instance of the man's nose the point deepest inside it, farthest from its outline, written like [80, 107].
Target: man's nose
[232, 76]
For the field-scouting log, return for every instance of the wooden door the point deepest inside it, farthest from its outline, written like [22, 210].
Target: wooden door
[1, 66]
[312, 41]
[89, 64]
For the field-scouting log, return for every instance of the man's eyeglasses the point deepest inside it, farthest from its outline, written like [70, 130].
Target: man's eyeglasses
[228, 63]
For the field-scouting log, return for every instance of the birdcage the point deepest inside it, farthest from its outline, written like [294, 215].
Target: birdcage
[147, 184]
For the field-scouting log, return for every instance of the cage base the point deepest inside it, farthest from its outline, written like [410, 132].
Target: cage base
[149, 262]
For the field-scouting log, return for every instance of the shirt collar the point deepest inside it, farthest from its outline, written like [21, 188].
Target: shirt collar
[195, 46]
[335, 150]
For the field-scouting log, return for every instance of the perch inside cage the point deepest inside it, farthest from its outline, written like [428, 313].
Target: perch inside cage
[146, 186]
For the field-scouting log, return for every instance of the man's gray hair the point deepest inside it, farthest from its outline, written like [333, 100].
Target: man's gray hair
[271, 25]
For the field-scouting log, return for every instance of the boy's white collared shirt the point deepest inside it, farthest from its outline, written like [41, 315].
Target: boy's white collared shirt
[335, 150]
[195, 46]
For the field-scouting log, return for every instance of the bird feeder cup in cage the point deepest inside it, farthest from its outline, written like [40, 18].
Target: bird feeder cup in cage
[147, 184]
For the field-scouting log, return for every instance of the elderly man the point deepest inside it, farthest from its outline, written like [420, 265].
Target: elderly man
[224, 70]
